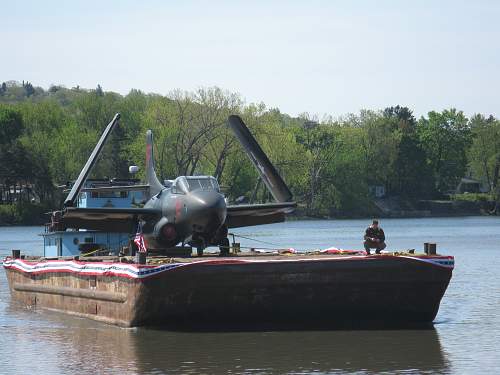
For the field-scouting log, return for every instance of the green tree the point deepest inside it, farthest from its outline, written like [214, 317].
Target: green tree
[484, 153]
[17, 164]
[320, 145]
[11, 125]
[345, 185]
[445, 137]
[412, 177]
[379, 142]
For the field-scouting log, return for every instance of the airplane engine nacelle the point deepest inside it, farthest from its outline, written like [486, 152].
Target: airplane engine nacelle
[165, 232]
[168, 233]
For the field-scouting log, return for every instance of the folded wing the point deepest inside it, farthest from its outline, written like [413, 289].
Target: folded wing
[106, 219]
[267, 172]
[256, 214]
[245, 215]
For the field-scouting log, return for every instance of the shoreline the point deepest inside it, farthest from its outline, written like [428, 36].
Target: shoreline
[396, 209]
[368, 217]
[324, 218]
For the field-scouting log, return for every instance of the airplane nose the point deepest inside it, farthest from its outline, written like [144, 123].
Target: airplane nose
[215, 207]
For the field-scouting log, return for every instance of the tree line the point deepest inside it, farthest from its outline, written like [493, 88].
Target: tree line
[329, 163]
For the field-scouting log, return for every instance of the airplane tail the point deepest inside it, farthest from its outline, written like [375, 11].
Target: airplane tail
[155, 186]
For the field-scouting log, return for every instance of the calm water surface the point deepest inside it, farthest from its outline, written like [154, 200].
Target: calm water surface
[465, 338]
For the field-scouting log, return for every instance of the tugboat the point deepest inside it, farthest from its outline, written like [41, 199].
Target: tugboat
[95, 194]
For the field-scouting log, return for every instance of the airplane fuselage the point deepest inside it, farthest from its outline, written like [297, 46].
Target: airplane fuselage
[192, 211]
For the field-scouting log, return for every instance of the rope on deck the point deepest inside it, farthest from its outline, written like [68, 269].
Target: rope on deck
[253, 239]
[278, 248]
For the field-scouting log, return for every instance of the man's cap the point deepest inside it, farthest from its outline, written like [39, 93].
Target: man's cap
[375, 221]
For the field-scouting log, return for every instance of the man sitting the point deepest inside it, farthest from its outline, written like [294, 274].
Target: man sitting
[374, 238]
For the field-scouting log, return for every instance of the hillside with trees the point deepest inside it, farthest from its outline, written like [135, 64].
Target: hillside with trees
[332, 165]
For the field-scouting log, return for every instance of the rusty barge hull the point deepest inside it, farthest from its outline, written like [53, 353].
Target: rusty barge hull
[258, 290]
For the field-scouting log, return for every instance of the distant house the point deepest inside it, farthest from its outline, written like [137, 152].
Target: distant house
[377, 191]
[18, 192]
[470, 185]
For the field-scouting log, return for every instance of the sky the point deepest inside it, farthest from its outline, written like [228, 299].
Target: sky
[321, 57]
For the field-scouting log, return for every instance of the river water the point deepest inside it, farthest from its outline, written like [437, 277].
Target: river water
[465, 338]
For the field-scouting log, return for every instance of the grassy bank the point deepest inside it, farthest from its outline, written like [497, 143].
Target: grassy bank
[473, 197]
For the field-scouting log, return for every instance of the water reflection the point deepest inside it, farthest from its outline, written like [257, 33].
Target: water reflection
[82, 346]
[289, 352]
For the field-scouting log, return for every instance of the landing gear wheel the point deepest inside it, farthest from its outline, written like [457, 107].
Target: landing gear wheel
[199, 251]
[224, 247]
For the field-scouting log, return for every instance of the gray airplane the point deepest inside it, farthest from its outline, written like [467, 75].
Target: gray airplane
[188, 210]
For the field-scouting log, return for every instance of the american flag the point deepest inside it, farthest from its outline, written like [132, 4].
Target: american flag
[139, 240]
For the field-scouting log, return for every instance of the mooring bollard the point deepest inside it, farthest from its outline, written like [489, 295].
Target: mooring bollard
[426, 247]
[432, 249]
[236, 247]
[140, 258]
[16, 254]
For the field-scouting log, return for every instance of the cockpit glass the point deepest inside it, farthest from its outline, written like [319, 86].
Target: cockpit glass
[215, 184]
[203, 183]
[194, 184]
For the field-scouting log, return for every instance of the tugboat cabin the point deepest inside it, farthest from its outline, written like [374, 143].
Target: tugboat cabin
[78, 242]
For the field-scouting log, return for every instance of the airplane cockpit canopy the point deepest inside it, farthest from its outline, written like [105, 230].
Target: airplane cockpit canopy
[185, 184]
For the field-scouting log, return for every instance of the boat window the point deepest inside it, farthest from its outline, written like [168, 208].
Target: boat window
[109, 194]
[112, 194]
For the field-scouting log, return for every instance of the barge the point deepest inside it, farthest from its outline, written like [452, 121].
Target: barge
[246, 289]
[89, 269]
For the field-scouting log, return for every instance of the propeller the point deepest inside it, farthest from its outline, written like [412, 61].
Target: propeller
[267, 172]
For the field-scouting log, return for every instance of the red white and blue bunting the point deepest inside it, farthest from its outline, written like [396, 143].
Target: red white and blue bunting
[135, 271]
